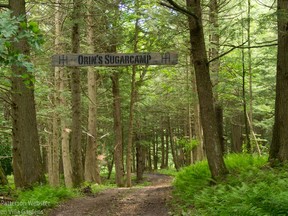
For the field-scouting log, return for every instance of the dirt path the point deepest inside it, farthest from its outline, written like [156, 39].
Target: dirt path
[147, 201]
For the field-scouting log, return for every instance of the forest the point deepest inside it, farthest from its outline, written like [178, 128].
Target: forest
[189, 97]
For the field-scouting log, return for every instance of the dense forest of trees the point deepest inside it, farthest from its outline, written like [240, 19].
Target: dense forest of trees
[78, 121]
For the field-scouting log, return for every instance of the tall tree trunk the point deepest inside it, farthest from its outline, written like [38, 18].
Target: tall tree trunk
[162, 149]
[279, 145]
[167, 149]
[133, 97]
[131, 127]
[118, 137]
[214, 39]
[118, 146]
[76, 148]
[54, 178]
[91, 172]
[219, 121]
[3, 178]
[250, 65]
[198, 151]
[244, 98]
[65, 131]
[247, 131]
[67, 166]
[236, 134]
[197, 154]
[61, 84]
[172, 145]
[140, 156]
[155, 150]
[110, 168]
[149, 159]
[27, 162]
[204, 89]
[134, 158]
[189, 114]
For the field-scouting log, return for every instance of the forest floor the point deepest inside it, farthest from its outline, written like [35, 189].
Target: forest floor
[151, 200]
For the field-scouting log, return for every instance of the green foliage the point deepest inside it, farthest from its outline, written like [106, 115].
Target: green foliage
[9, 28]
[187, 144]
[6, 153]
[32, 202]
[9, 189]
[169, 172]
[244, 162]
[262, 193]
[34, 35]
[190, 180]
[251, 188]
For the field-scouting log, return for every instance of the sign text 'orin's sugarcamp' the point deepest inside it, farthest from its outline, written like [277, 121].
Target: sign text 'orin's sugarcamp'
[114, 59]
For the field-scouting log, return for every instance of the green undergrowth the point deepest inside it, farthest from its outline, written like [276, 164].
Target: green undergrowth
[34, 201]
[37, 200]
[169, 172]
[251, 189]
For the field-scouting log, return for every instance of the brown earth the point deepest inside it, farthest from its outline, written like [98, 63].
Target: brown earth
[147, 201]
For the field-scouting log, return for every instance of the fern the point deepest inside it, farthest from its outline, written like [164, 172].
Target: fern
[251, 189]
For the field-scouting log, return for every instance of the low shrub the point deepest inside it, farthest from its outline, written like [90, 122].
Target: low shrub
[250, 189]
[32, 202]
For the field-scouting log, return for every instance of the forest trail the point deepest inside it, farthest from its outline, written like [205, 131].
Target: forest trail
[147, 201]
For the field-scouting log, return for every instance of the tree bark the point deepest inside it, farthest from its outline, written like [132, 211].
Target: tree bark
[3, 178]
[67, 166]
[133, 98]
[65, 131]
[172, 145]
[149, 159]
[219, 120]
[140, 156]
[131, 126]
[162, 149]
[236, 134]
[205, 94]
[91, 173]
[118, 146]
[214, 39]
[198, 152]
[27, 162]
[54, 177]
[279, 145]
[155, 150]
[167, 149]
[76, 148]
[110, 167]
[247, 130]
[250, 66]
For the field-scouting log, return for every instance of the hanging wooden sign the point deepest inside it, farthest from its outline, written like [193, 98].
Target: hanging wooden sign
[114, 59]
